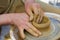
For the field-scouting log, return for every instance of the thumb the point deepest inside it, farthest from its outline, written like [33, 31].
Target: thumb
[29, 12]
[21, 31]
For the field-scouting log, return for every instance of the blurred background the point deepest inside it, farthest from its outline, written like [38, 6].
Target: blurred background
[55, 3]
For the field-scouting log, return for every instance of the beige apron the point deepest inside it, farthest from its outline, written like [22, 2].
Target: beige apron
[10, 6]
[3, 5]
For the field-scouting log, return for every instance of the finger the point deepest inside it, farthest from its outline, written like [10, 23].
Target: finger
[35, 9]
[30, 31]
[21, 31]
[35, 17]
[41, 11]
[29, 11]
[38, 20]
[41, 14]
[33, 28]
[30, 14]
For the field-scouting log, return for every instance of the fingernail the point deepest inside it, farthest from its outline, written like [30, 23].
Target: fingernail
[36, 35]
[40, 33]
[31, 18]
[23, 37]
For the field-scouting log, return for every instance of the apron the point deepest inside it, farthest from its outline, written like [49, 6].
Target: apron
[3, 5]
[11, 6]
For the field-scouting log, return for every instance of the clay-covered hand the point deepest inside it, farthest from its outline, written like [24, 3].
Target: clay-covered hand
[21, 20]
[32, 7]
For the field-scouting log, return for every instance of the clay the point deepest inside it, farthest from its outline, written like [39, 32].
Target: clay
[44, 23]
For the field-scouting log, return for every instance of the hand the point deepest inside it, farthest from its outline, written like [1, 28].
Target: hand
[35, 7]
[22, 22]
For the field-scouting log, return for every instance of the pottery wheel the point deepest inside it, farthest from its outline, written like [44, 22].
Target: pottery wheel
[50, 33]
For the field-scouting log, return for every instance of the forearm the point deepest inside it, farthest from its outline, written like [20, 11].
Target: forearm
[4, 19]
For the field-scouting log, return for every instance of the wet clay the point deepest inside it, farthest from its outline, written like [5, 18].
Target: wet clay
[43, 26]
[44, 23]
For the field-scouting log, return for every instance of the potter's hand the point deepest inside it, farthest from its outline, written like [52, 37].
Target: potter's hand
[30, 6]
[22, 22]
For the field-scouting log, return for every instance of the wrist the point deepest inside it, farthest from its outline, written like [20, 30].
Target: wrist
[10, 18]
[5, 19]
